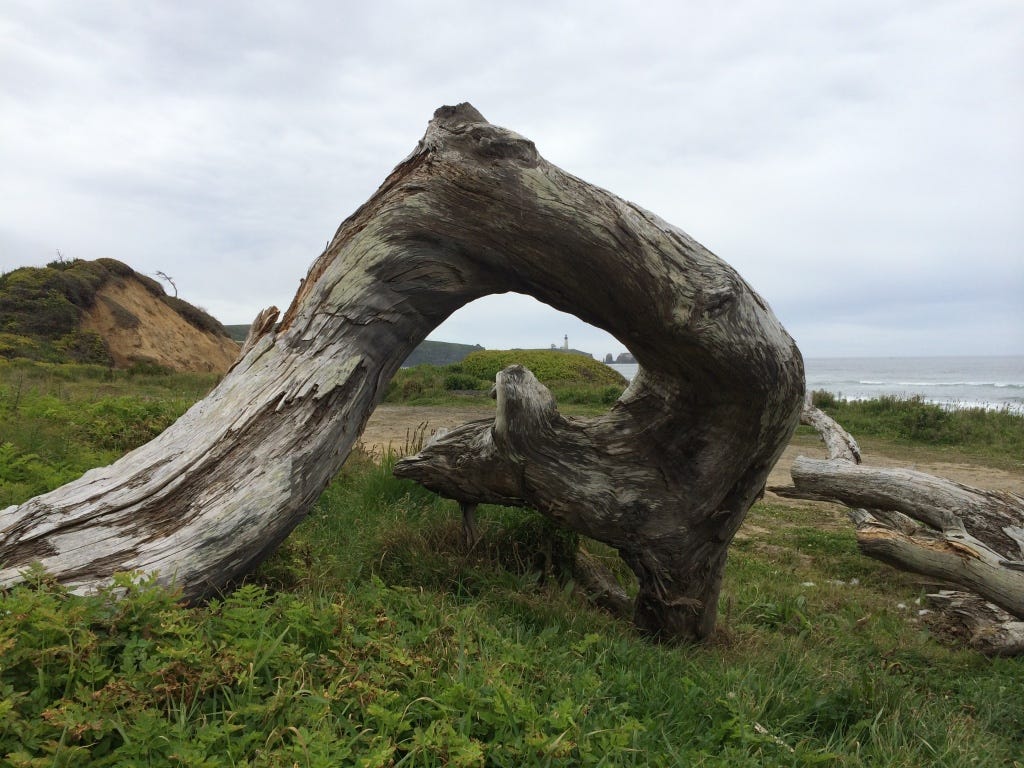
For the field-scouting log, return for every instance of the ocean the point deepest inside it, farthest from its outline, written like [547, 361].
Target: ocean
[964, 382]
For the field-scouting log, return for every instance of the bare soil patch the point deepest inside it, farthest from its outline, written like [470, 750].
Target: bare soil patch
[140, 327]
[395, 426]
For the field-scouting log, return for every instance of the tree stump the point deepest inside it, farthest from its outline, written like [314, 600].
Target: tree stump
[473, 210]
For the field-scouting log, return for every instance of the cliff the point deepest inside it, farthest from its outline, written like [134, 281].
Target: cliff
[104, 312]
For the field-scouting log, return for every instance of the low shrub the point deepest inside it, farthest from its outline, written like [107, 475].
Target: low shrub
[463, 381]
[13, 345]
[914, 420]
[823, 399]
[194, 315]
[84, 347]
[594, 395]
[147, 368]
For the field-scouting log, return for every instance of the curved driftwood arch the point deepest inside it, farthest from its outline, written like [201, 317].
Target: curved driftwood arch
[473, 210]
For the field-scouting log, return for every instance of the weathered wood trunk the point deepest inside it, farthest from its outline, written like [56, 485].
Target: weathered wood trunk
[962, 536]
[982, 625]
[615, 478]
[473, 210]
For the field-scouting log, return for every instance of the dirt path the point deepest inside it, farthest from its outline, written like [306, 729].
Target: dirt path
[967, 471]
[396, 426]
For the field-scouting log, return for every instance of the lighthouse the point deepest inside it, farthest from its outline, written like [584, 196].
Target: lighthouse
[565, 344]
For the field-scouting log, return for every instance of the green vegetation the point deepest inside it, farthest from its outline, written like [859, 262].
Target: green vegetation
[41, 309]
[195, 316]
[573, 379]
[913, 421]
[374, 637]
[56, 421]
[550, 366]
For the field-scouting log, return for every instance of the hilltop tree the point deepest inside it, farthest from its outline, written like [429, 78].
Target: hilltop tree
[170, 280]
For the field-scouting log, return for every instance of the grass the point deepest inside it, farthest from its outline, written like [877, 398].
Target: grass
[913, 421]
[374, 637]
[575, 380]
[60, 420]
[550, 366]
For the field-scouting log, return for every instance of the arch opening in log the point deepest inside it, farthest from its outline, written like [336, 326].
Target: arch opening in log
[513, 320]
[670, 470]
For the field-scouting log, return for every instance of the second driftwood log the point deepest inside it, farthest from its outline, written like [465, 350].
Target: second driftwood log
[968, 538]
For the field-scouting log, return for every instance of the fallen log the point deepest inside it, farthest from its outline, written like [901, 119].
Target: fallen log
[962, 536]
[982, 625]
[473, 210]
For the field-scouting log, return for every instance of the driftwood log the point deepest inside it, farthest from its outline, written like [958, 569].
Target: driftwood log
[965, 537]
[667, 476]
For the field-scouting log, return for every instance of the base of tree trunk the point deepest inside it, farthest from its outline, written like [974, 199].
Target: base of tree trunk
[600, 586]
[596, 477]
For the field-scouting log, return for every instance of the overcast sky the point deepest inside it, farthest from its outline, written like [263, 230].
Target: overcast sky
[861, 164]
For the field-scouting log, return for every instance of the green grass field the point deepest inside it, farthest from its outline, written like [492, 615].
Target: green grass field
[374, 637]
[911, 421]
[577, 381]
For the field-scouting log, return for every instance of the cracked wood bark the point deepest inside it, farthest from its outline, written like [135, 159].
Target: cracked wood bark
[917, 522]
[984, 626]
[473, 210]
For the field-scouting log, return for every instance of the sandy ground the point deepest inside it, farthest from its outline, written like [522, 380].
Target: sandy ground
[161, 335]
[396, 426]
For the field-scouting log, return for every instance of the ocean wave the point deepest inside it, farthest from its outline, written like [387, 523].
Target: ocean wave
[1013, 405]
[967, 382]
[994, 384]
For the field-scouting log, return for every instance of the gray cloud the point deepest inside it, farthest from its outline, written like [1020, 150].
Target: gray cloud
[859, 163]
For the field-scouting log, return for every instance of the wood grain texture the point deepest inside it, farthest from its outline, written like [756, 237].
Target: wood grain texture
[473, 210]
[839, 443]
[668, 474]
[982, 625]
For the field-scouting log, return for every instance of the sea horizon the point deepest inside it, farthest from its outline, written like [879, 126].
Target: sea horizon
[955, 381]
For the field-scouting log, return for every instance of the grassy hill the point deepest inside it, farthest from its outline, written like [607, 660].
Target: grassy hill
[573, 379]
[440, 353]
[552, 367]
[43, 310]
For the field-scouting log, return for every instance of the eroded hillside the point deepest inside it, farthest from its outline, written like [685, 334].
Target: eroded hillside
[104, 312]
